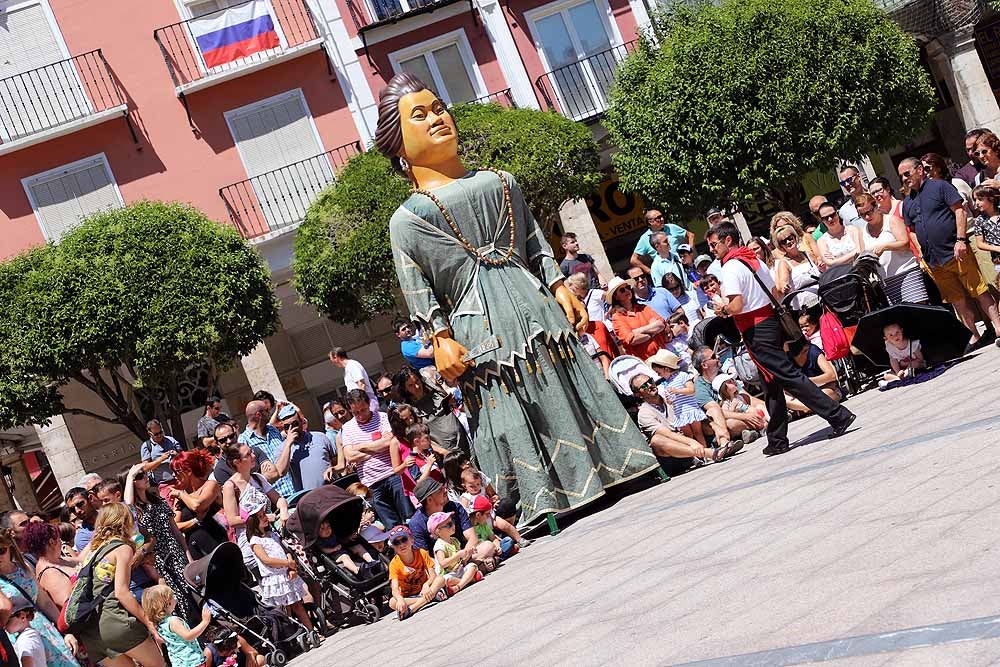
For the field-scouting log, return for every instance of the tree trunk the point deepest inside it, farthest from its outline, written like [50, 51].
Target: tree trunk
[173, 410]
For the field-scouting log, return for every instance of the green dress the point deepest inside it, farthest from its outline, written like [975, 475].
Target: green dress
[548, 427]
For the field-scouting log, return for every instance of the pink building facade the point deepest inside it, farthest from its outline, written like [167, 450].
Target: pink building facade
[103, 104]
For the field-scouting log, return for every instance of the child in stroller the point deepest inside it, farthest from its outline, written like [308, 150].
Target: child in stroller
[348, 558]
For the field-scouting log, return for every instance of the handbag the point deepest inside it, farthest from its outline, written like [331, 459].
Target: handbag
[789, 324]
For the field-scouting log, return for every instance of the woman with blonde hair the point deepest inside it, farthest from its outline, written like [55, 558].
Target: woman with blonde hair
[795, 268]
[806, 242]
[120, 633]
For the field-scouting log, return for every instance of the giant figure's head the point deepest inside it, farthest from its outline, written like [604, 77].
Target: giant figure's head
[414, 125]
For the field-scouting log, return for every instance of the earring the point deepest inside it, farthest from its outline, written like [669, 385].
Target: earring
[404, 165]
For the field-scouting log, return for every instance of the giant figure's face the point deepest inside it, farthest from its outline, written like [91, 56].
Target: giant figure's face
[429, 133]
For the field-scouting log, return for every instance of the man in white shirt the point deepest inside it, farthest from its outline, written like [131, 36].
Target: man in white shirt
[355, 375]
[747, 302]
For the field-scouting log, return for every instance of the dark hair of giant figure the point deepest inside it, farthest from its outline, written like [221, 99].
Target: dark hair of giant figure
[389, 132]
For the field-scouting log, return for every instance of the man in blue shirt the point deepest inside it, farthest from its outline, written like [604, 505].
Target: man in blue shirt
[657, 298]
[417, 353]
[644, 251]
[666, 261]
[311, 452]
[933, 210]
[155, 448]
[268, 443]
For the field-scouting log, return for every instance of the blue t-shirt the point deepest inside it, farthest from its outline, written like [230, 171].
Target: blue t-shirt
[410, 347]
[660, 300]
[84, 534]
[312, 454]
[928, 212]
[418, 525]
[662, 266]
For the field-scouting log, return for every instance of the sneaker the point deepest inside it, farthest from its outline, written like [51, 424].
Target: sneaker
[882, 384]
[442, 594]
[997, 341]
[524, 542]
[749, 435]
[478, 577]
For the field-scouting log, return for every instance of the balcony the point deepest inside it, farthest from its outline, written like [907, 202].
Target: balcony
[580, 89]
[501, 97]
[58, 99]
[264, 206]
[235, 41]
[368, 14]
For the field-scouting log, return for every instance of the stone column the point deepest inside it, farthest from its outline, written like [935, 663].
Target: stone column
[59, 448]
[24, 492]
[261, 373]
[974, 95]
[575, 217]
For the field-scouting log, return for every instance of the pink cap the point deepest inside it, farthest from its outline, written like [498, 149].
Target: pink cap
[436, 520]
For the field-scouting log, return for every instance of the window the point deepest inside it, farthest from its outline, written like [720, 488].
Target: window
[282, 153]
[447, 65]
[30, 40]
[66, 195]
[575, 42]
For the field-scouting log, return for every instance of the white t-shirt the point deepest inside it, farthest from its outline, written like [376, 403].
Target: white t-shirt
[736, 279]
[29, 643]
[354, 371]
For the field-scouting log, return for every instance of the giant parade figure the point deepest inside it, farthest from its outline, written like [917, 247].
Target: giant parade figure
[477, 273]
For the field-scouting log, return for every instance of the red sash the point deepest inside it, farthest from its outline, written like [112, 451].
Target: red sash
[752, 318]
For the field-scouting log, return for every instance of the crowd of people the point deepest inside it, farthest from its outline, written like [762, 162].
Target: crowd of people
[403, 443]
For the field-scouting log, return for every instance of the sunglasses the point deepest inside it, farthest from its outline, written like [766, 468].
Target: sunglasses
[648, 385]
[876, 193]
[621, 289]
[291, 425]
[400, 540]
[381, 392]
[658, 218]
[828, 218]
[788, 240]
[847, 181]
[138, 478]
[342, 413]
[867, 212]
[76, 507]
[906, 174]
[981, 152]
[450, 524]
[227, 439]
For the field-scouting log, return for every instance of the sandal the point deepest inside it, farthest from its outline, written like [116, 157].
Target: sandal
[403, 615]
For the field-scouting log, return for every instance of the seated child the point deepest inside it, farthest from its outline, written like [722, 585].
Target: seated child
[679, 328]
[480, 515]
[221, 650]
[329, 545]
[810, 329]
[905, 355]
[28, 646]
[411, 574]
[472, 488]
[451, 560]
[732, 397]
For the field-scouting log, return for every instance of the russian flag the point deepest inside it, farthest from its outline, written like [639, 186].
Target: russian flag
[235, 33]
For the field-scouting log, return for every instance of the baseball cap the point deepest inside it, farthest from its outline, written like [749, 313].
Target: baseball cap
[425, 488]
[683, 247]
[20, 603]
[702, 258]
[720, 380]
[287, 410]
[436, 520]
[715, 210]
[481, 504]
[399, 531]
[372, 533]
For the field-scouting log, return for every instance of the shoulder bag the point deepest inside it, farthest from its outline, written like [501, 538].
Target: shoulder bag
[788, 322]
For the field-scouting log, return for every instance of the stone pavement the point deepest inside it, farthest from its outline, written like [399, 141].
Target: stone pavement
[879, 548]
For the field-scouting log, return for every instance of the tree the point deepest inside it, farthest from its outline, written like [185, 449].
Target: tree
[130, 299]
[343, 263]
[746, 96]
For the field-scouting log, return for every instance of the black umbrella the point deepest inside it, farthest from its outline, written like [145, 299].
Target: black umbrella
[942, 337]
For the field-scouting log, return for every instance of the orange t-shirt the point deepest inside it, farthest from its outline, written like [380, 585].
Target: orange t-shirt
[624, 323]
[411, 577]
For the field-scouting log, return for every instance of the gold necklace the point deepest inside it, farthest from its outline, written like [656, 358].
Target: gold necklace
[465, 242]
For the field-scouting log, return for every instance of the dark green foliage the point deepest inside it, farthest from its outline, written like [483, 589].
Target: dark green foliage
[132, 297]
[343, 263]
[748, 95]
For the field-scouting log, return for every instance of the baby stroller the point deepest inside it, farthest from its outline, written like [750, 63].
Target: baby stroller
[343, 593]
[219, 580]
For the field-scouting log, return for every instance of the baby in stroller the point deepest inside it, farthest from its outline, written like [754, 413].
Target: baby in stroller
[349, 558]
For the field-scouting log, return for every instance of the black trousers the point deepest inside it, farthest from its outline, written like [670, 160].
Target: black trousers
[764, 341]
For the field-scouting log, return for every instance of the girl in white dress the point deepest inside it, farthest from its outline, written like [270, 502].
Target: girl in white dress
[280, 584]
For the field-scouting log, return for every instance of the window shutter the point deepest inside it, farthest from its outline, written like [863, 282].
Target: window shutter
[26, 41]
[66, 198]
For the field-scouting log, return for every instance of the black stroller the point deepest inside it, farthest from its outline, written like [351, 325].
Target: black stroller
[343, 594]
[219, 580]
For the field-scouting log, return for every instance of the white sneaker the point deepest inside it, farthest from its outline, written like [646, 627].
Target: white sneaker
[882, 384]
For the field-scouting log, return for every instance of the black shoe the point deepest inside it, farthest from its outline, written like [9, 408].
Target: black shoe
[775, 450]
[841, 428]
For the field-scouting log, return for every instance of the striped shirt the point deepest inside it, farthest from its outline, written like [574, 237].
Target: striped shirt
[379, 466]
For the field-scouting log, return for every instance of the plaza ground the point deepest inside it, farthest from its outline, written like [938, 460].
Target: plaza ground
[878, 548]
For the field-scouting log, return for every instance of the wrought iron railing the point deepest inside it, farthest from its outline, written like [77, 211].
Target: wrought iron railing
[501, 97]
[376, 11]
[57, 94]
[580, 89]
[279, 199]
[293, 22]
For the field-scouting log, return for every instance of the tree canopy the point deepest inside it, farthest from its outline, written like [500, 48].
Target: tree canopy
[343, 263]
[132, 298]
[745, 96]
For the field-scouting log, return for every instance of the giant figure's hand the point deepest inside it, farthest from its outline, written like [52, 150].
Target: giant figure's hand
[448, 355]
[576, 313]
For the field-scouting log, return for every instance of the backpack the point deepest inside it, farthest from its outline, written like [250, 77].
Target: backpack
[82, 604]
[746, 369]
[836, 344]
